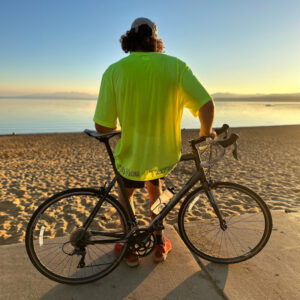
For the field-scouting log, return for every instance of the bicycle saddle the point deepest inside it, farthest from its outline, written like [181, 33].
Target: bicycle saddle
[97, 135]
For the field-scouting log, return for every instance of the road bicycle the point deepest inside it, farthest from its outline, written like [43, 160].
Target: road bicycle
[72, 235]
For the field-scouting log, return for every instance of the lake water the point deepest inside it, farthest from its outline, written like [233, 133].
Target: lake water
[39, 116]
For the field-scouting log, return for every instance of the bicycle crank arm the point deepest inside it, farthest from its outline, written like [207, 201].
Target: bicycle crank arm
[107, 241]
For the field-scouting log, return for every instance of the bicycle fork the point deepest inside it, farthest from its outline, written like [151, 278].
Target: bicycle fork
[214, 204]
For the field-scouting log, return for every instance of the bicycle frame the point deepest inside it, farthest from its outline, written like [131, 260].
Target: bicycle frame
[151, 227]
[198, 175]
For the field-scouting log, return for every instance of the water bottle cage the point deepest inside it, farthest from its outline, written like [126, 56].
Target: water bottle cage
[162, 201]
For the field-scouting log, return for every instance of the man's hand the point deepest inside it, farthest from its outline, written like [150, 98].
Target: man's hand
[103, 129]
[212, 134]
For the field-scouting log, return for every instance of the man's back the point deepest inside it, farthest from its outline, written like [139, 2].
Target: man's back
[147, 92]
[146, 87]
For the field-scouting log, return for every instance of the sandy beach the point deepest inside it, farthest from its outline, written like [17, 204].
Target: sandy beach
[35, 166]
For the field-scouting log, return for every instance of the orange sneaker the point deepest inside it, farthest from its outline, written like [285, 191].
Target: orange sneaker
[161, 251]
[130, 259]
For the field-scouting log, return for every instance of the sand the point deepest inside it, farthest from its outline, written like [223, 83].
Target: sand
[35, 166]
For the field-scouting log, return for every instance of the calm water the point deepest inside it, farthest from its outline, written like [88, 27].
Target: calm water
[34, 116]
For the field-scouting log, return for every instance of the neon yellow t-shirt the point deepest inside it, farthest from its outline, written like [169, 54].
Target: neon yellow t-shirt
[147, 92]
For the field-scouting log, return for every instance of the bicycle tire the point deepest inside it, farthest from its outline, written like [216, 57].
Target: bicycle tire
[58, 209]
[231, 199]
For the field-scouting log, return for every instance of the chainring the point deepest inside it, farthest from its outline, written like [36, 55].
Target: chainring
[141, 242]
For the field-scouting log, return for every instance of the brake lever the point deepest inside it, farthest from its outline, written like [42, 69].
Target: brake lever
[235, 152]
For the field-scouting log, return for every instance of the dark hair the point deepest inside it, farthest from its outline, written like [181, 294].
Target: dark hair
[141, 40]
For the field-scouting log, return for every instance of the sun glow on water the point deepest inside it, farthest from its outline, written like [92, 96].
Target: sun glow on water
[37, 116]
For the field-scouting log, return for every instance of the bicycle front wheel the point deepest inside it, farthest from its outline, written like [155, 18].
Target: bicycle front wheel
[58, 246]
[248, 223]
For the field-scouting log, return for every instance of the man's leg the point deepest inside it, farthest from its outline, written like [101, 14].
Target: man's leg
[154, 192]
[131, 259]
[163, 245]
[129, 192]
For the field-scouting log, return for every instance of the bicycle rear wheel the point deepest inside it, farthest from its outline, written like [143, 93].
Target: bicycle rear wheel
[54, 229]
[247, 217]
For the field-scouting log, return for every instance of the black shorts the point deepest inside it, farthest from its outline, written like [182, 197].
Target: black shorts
[138, 184]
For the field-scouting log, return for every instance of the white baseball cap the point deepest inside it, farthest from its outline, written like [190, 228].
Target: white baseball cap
[144, 21]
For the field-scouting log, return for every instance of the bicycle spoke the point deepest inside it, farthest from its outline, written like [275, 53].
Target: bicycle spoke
[47, 248]
[237, 240]
[67, 262]
[214, 240]
[225, 236]
[232, 244]
[91, 261]
[101, 251]
[52, 259]
[249, 229]
[97, 256]
[221, 243]
[54, 251]
[243, 220]
[70, 265]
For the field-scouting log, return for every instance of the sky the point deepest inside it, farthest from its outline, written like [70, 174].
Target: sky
[234, 46]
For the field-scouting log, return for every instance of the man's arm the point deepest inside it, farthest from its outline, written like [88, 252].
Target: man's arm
[206, 116]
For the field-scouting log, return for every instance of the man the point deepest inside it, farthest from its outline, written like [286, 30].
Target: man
[147, 91]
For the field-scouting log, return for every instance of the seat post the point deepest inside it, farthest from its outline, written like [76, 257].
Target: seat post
[110, 153]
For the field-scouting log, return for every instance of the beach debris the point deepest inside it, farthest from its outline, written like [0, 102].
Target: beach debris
[289, 211]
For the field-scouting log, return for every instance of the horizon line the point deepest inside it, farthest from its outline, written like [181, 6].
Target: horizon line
[83, 95]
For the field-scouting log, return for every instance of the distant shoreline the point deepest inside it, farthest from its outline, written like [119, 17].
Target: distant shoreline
[218, 97]
[45, 98]
[258, 99]
[294, 99]
[182, 129]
